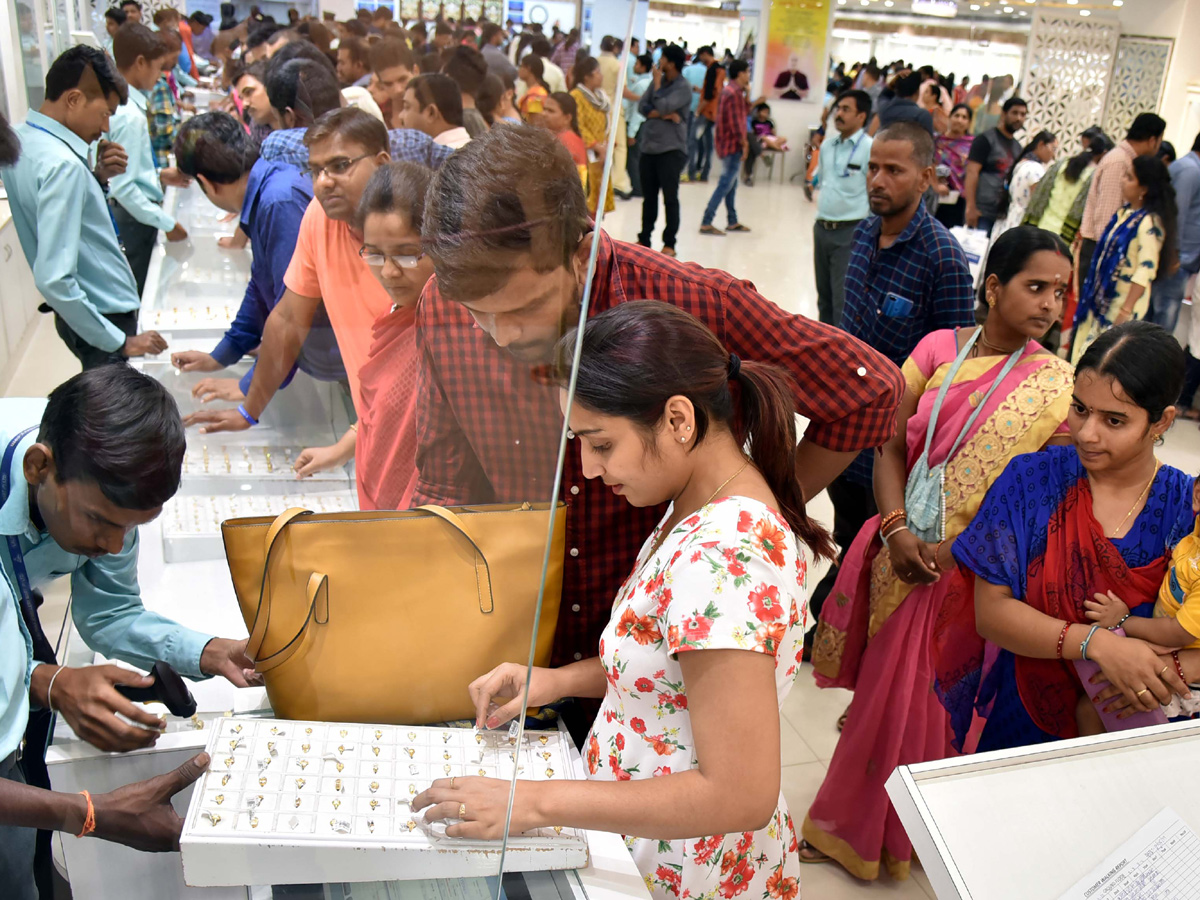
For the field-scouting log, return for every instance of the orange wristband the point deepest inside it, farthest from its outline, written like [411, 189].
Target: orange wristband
[89, 823]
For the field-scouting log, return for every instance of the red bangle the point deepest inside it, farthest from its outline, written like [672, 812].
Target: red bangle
[1061, 638]
[89, 822]
[1178, 666]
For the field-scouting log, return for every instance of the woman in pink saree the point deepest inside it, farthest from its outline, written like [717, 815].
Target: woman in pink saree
[976, 398]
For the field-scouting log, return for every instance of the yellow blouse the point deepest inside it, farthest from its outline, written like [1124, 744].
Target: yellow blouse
[1179, 596]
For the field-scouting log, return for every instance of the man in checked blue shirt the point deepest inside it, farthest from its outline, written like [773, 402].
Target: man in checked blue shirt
[271, 199]
[906, 278]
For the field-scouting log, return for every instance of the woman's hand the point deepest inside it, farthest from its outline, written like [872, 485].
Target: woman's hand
[317, 459]
[1107, 610]
[210, 389]
[483, 803]
[507, 682]
[1132, 666]
[914, 561]
[1119, 702]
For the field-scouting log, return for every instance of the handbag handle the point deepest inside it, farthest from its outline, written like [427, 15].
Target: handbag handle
[317, 591]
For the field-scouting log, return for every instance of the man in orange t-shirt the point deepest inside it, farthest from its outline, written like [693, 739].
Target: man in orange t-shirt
[345, 147]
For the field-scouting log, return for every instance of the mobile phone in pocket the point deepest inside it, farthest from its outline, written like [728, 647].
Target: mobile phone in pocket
[896, 306]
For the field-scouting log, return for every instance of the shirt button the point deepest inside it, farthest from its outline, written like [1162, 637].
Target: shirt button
[574, 551]
[861, 371]
[574, 489]
[518, 443]
[574, 607]
[579, 656]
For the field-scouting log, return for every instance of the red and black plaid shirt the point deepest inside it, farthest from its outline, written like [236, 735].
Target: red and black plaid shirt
[732, 115]
[488, 427]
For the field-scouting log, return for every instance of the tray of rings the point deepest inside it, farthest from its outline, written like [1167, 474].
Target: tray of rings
[191, 523]
[255, 463]
[291, 802]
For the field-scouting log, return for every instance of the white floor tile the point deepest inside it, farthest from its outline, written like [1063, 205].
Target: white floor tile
[794, 750]
[814, 713]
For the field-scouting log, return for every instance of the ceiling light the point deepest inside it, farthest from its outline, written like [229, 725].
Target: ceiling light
[1118, 2]
[889, 2]
[1008, 9]
[1073, 2]
[975, 6]
[1085, 12]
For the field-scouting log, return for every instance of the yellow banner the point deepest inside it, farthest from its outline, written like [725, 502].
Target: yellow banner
[795, 63]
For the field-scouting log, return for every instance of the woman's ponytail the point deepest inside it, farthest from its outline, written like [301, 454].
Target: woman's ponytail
[767, 424]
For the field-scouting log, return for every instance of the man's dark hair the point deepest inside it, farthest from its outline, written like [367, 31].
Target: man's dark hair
[430, 63]
[468, 68]
[391, 52]
[540, 46]
[607, 43]
[10, 144]
[307, 88]
[261, 34]
[736, 68]
[675, 55]
[1012, 103]
[443, 28]
[118, 429]
[358, 50]
[489, 213]
[916, 135]
[1196, 144]
[133, 39]
[355, 27]
[214, 145]
[382, 12]
[125, 3]
[171, 40]
[399, 187]
[441, 91]
[874, 71]
[647, 61]
[70, 69]
[862, 101]
[1146, 127]
[352, 124]
[200, 18]
[116, 14]
[907, 86]
[300, 50]
[166, 14]
[489, 32]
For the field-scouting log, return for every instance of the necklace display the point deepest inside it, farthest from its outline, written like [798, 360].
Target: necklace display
[661, 539]
[1142, 496]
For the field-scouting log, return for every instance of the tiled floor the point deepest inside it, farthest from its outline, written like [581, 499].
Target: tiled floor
[776, 256]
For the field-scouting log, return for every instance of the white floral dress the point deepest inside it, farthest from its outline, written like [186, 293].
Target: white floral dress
[731, 576]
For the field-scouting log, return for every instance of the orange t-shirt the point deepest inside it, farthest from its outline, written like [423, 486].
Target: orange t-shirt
[326, 264]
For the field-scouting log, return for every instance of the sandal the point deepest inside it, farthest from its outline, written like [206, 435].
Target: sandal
[814, 857]
[711, 229]
[737, 227]
[668, 251]
[841, 722]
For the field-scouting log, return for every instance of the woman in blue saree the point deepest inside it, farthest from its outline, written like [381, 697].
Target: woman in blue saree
[1055, 528]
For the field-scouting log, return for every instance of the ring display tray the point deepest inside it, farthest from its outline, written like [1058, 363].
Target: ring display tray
[311, 802]
[191, 523]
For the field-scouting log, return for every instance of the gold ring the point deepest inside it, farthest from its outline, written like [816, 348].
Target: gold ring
[1142, 691]
[1164, 668]
[462, 811]
[452, 782]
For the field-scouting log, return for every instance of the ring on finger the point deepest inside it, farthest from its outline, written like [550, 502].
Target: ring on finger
[1142, 691]
[452, 780]
[1164, 668]
[462, 811]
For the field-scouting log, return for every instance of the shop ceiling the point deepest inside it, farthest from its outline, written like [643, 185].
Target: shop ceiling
[1016, 11]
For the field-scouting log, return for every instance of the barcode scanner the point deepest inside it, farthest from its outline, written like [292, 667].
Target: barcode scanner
[168, 689]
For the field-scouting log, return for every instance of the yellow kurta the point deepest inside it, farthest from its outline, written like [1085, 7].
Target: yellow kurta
[593, 126]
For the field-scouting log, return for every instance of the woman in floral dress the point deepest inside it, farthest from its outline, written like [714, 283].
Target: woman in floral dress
[706, 634]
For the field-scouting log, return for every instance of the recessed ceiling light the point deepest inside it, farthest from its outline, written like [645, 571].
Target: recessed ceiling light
[1008, 9]
[1085, 12]
[1118, 2]
[1022, 13]
[1073, 2]
[889, 2]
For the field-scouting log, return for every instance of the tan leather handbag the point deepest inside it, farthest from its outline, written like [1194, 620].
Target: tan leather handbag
[388, 616]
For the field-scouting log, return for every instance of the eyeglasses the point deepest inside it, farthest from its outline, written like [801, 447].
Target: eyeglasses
[375, 259]
[335, 168]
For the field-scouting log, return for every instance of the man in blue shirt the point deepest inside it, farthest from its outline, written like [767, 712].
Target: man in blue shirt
[842, 201]
[906, 277]
[271, 199]
[1167, 292]
[62, 217]
[694, 73]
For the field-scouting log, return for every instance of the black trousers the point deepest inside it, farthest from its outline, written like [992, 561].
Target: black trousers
[1086, 250]
[853, 504]
[660, 172]
[633, 165]
[137, 240]
[93, 357]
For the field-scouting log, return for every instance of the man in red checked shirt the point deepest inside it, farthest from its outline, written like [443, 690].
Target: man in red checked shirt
[510, 242]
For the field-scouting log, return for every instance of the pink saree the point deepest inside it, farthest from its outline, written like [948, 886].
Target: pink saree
[876, 633]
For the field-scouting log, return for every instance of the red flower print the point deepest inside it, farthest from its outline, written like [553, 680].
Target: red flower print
[764, 602]
[638, 726]
[696, 628]
[661, 673]
[646, 631]
[745, 520]
[628, 620]
[743, 846]
[738, 881]
[691, 522]
[620, 742]
[729, 553]
[782, 888]
[681, 701]
[665, 699]
[674, 558]
[664, 601]
[768, 637]
[704, 849]
[615, 764]
[728, 861]
[673, 635]
[661, 747]
[769, 538]
[669, 878]
[696, 557]
[661, 771]
[736, 569]
[643, 685]
[593, 755]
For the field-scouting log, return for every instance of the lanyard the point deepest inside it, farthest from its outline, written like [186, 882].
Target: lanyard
[845, 173]
[16, 554]
[112, 218]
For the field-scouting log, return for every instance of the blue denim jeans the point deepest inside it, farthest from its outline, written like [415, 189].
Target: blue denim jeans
[726, 190]
[700, 148]
[1166, 297]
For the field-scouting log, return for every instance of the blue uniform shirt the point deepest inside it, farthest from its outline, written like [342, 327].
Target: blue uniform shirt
[66, 232]
[842, 174]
